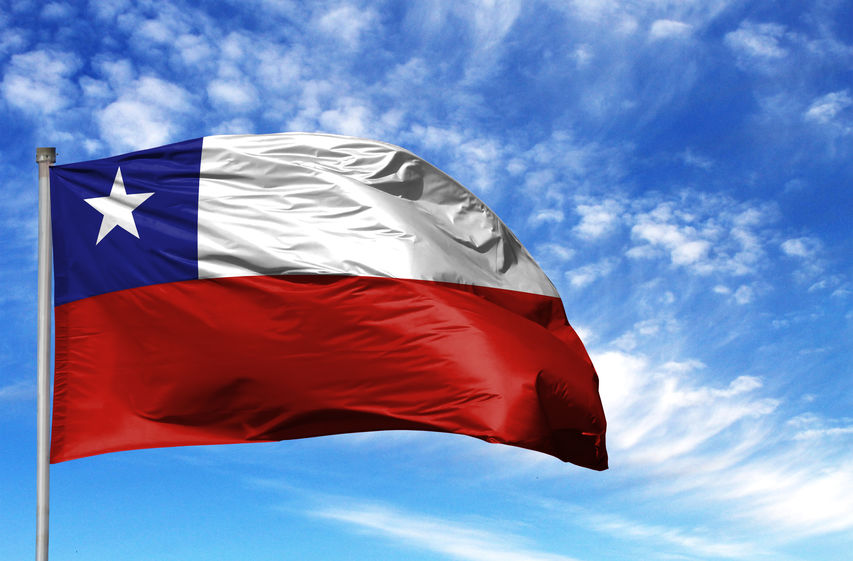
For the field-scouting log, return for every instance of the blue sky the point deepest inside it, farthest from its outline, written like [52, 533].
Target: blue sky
[682, 171]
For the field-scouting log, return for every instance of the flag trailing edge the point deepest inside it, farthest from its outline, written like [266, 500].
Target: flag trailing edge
[267, 287]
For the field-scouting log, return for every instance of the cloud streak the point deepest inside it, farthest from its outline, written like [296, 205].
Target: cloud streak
[17, 391]
[453, 539]
[726, 446]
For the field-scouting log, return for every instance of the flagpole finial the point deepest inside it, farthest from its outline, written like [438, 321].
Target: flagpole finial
[46, 154]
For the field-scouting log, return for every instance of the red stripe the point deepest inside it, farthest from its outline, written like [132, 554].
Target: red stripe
[270, 358]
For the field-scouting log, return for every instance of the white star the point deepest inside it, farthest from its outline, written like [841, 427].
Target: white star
[117, 208]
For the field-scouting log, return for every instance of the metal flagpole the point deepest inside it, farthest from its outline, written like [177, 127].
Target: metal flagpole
[45, 157]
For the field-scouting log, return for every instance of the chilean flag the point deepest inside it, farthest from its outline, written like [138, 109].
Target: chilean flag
[266, 287]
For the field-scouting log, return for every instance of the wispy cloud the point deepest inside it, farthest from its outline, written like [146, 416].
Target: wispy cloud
[17, 391]
[693, 543]
[657, 414]
[727, 445]
[453, 539]
[347, 24]
[667, 28]
[691, 158]
[700, 233]
[546, 215]
[586, 274]
[761, 42]
[827, 107]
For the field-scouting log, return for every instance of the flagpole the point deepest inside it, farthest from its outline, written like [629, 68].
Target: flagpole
[45, 157]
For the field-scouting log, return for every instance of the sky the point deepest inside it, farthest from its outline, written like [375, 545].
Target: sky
[682, 171]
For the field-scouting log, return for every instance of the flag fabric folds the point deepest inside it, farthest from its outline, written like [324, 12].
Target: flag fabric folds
[268, 287]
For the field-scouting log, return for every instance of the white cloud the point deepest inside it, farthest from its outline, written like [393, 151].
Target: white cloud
[677, 239]
[516, 166]
[279, 70]
[193, 49]
[11, 40]
[492, 20]
[57, 10]
[436, 137]
[744, 294]
[690, 252]
[691, 158]
[621, 18]
[475, 160]
[824, 109]
[17, 391]
[655, 415]
[92, 146]
[598, 219]
[545, 215]
[38, 82]
[147, 113]
[353, 118]
[129, 124]
[757, 40]
[448, 538]
[842, 292]
[480, 158]
[561, 162]
[667, 28]
[801, 247]
[691, 365]
[593, 9]
[702, 233]
[583, 55]
[236, 95]
[95, 91]
[615, 15]
[236, 47]
[118, 73]
[312, 98]
[821, 433]
[793, 493]
[156, 31]
[647, 251]
[109, 9]
[650, 329]
[480, 29]
[693, 542]
[540, 180]
[346, 24]
[234, 126]
[726, 447]
[554, 251]
[582, 276]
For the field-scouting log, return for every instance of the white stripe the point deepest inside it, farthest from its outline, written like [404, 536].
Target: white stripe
[300, 203]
